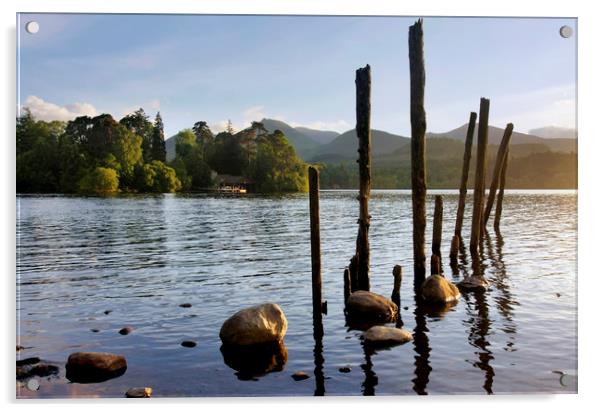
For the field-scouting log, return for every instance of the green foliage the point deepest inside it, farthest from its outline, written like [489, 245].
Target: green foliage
[139, 124]
[156, 177]
[277, 167]
[203, 133]
[100, 181]
[128, 154]
[158, 151]
[227, 156]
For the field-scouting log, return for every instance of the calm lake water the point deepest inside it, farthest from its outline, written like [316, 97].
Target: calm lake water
[140, 257]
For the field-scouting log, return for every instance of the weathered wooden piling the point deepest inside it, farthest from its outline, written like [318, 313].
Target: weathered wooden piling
[316, 259]
[437, 230]
[465, 169]
[479, 185]
[346, 284]
[436, 265]
[418, 122]
[397, 274]
[455, 247]
[500, 195]
[362, 108]
[495, 179]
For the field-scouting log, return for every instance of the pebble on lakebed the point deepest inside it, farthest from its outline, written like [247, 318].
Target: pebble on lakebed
[300, 376]
[188, 344]
[345, 369]
[185, 305]
[126, 331]
[139, 393]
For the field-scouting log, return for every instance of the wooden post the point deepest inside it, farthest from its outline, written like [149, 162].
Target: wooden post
[495, 180]
[362, 108]
[314, 219]
[465, 169]
[436, 265]
[437, 230]
[353, 273]
[418, 121]
[455, 246]
[479, 185]
[346, 284]
[397, 274]
[500, 195]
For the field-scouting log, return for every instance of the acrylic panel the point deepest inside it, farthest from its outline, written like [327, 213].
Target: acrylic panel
[254, 205]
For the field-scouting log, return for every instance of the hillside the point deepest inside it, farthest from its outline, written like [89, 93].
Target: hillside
[345, 146]
[304, 145]
[319, 136]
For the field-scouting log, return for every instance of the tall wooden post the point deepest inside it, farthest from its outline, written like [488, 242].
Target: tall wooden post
[495, 180]
[397, 274]
[362, 108]
[436, 267]
[479, 185]
[465, 169]
[500, 195]
[316, 259]
[418, 121]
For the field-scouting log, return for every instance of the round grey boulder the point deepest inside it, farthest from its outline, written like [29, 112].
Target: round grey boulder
[255, 325]
[437, 290]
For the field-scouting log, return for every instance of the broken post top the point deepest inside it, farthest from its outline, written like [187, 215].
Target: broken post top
[362, 71]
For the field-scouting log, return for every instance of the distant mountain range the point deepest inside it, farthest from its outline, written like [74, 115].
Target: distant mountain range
[331, 147]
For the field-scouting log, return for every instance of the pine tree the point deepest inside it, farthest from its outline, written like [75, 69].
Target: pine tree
[158, 151]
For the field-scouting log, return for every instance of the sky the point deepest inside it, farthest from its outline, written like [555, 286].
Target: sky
[298, 69]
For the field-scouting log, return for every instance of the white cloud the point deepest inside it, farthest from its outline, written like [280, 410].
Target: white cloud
[43, 110]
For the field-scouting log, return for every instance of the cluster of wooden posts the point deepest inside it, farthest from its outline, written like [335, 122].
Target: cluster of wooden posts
[357, 275]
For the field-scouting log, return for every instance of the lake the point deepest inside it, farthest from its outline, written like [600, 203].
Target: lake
[141, 256]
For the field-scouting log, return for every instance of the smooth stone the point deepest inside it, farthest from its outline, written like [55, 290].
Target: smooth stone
[437, 290]
[345, 369]
[473, 283]
[188, 344]
[106, 312]
[26, 370]
[139, 393]
[386, 336]
[126, 331]
[300, 376]
[94, 330]
[185, 305]
[84, 367]
[370, 306]
[255, 325]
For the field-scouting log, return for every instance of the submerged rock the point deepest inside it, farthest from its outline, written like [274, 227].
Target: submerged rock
[29, 367]
[438, 291]
[363, 306]
[299, 376]
[139, 393]
[255, 325]
[106, 312]
[188, 344]
[345, 369]
[126, 331]
[386, 336]
[85, 367]
[185, 305]
[251, 361]
[473, 283]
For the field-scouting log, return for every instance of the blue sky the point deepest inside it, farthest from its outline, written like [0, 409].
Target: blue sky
[293, 68]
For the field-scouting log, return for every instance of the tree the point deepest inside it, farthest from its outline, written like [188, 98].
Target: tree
[100, 181]
[227, 155]
[203, 133]
[158, 151]
[186, 142]
[229, 128]
[139, 124]
[128, 153]
[277, 167]
[156, 177]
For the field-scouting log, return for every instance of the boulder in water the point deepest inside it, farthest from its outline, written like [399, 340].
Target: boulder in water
[255, 325]
[386, 336]
[85, 367]
[364, 306]
[437, 290]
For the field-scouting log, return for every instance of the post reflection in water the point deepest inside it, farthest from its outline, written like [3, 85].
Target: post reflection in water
[370, 380]
[318, 356]
[422, 349]
[505, 301]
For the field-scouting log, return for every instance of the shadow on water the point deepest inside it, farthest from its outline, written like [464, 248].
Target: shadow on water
[370, 378]
[422, 349]
[253, 361]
